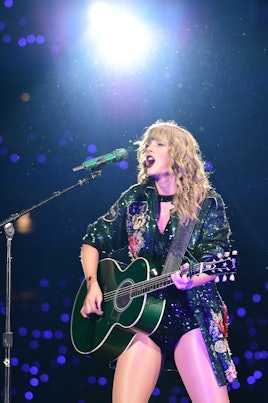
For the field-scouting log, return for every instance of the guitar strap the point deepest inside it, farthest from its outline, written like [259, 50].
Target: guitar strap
[179, 245]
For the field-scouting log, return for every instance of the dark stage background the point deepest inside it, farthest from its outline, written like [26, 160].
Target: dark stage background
[60, 103]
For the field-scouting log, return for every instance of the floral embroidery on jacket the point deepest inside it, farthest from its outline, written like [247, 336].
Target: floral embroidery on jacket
[231, 373]
[218, 330]
[136, 219]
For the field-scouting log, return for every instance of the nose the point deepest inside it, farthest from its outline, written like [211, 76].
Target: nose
[150, 147]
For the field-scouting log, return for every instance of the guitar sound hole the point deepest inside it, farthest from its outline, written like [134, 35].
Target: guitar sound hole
[123, 298]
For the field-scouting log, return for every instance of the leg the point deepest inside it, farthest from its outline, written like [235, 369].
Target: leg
[194, 366]
[137, 371]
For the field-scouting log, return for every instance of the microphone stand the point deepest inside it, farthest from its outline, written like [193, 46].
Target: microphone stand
[9, 230]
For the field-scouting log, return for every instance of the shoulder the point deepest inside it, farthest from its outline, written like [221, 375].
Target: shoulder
[135, 191]
[213, 198]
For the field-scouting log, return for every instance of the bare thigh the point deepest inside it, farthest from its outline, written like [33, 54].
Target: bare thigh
[194, 365]
[137, 371]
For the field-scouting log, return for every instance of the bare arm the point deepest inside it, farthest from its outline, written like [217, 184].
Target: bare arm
[93, 300]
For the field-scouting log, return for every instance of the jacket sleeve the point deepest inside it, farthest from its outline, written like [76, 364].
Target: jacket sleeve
[211, 235]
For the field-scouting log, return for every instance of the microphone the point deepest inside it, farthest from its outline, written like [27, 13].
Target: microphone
[99, 162]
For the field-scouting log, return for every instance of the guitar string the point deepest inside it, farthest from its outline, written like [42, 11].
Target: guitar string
[161, 280]
[143, 284]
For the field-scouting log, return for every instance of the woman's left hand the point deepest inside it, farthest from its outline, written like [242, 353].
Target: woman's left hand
[181, 278]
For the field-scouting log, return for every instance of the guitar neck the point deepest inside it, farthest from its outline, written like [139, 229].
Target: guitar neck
[221, 267]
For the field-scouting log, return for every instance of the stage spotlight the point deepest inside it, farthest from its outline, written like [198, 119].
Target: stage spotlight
[119, 38]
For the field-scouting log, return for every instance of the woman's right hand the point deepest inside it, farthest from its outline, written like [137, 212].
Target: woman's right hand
[93, 301]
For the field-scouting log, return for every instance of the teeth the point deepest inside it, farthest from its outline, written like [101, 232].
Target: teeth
[150, 160]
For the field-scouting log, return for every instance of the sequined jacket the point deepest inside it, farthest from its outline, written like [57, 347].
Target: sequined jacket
[132, 222]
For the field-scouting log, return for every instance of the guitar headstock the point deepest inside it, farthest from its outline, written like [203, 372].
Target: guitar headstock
[224, 266]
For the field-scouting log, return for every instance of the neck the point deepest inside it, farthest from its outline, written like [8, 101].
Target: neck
[166, 187]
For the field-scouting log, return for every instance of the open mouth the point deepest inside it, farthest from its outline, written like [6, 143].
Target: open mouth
[149, 161]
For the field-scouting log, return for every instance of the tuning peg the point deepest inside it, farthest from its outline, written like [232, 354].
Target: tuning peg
[232, 277]
[219, 255]
[234, 252]
[224, 278]
[217, 280]
[226, 254]
[153, 272]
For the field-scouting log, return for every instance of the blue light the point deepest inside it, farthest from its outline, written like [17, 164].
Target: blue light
[65, 317]
[156, 392]
[44, 282]
[44, 378]
[208, 166]
[8, 3]
[34, 370]
[123, 164]
[251, 380]
[102, 381]
[34, 382]
[25, 368]
[30, 38]
[175, 390]
[236, 360]
[58, 334]
[28, 395]
[91, 379]
[241, 312]
[41, 159]
[248, 354]
[92, 148]
[47, 334]
[14, 158]
[36, 333]
[23, 331]
[61, 359]
[256, 298]
[34, 344]
[236, 385]
[257, 374]
[14, 361]
[45, 307]
[22, 42]
[63, 349]
[40, 39]
[6, 38]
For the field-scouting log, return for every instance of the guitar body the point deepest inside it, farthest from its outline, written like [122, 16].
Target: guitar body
[124, 315]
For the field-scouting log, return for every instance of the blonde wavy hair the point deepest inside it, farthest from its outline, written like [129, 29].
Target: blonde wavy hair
[185, 161]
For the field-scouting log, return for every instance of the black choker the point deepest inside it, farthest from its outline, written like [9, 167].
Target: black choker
[165, 198]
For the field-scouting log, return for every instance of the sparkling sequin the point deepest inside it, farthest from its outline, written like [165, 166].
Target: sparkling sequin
[133, 224]
[177, 320]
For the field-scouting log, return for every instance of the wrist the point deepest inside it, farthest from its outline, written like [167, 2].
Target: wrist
[90, 280]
